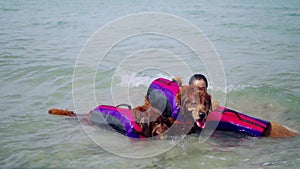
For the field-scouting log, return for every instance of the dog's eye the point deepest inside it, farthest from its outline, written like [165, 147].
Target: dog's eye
[194, 104]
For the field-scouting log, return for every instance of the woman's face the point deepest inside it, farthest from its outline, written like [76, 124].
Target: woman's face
[201, 84]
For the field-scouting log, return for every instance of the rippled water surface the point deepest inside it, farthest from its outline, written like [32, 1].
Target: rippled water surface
[258, 44]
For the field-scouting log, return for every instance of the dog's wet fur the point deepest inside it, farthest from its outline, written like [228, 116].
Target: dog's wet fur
[194, 102]
[150, 120]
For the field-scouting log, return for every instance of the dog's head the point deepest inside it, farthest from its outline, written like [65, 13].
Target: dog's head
[194, 102]
[150, 120]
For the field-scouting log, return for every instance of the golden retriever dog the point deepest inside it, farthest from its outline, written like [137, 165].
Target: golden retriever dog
[150, 120]
[194, 104]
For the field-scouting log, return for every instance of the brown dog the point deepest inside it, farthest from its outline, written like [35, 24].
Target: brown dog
[150, 120]
[194, 104]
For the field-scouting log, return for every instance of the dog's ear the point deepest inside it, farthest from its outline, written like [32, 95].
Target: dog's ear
[136, 115]
[207, 97]
[178, 98]
[145, 126]
[210, 103]
[147, 102]
[144, 120]
[201, 88]
[178, 80]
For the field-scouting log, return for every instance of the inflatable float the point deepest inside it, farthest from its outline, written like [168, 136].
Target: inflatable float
[122, 121]
[162, 95]
[231, 120]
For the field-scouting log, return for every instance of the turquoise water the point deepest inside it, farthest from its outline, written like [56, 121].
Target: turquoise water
[258, 44]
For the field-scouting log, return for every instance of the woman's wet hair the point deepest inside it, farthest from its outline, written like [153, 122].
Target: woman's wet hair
[198, 77]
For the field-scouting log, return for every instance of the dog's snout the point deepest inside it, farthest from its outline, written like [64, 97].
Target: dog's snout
[202, 115]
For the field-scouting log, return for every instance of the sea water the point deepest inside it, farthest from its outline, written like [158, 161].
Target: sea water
[258, 43]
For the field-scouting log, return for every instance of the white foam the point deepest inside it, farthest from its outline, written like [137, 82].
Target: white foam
[136, 79]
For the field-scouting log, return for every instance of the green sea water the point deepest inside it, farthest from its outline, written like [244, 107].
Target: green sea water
[258, 44]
